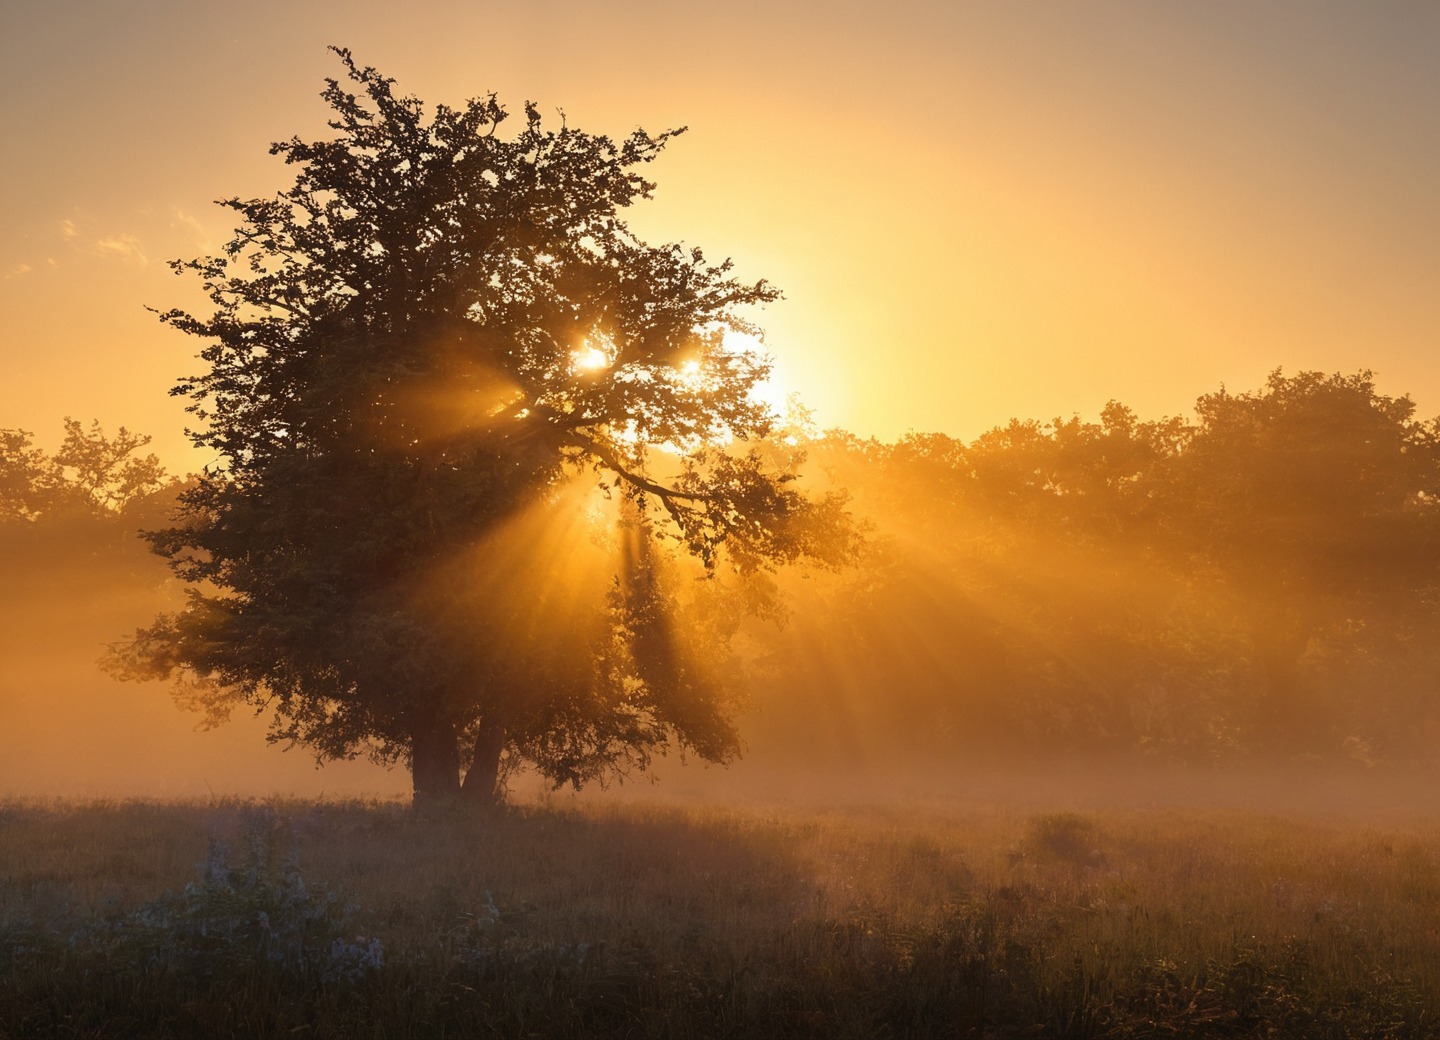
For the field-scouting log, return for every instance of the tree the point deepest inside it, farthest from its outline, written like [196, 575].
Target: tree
[92, 474]
[108, 475]
[1314, 499]
[70, 521]
[435, 328]
[27, 477]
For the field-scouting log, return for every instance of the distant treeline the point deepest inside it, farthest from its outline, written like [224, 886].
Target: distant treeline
[70, 521]
[1260, 579]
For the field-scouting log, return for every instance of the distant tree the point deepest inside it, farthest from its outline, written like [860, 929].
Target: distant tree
[92, 474]
[107, 475]
[1096, 480]
[1264, 576]
[1316, 502]
[28, 477]
[71, 520]
[437, 327]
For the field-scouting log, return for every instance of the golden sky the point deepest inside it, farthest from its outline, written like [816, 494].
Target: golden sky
[976, 210]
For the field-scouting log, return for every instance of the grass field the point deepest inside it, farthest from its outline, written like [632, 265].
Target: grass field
[639, 920]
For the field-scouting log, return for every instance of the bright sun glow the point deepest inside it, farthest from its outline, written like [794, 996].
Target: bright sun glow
[772, 391]
[589, 359]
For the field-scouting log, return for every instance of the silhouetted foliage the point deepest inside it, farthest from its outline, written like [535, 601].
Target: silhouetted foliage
[91, 473]
[76, 515]
[26, 477]
[1314, 501]
[1261, 578]
[436, 327]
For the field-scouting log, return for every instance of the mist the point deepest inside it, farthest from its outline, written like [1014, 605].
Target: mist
[1104, 729]
[1235, 609]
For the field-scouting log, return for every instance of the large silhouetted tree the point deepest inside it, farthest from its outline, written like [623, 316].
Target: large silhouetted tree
[436, 328]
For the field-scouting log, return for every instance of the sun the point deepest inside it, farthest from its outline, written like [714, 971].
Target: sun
[589, 359]
[773, 392]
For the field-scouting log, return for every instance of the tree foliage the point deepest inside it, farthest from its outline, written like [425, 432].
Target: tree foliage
[1318, 513]
[1260, 577]
[437, 326]
[91, 474]
[70, 520]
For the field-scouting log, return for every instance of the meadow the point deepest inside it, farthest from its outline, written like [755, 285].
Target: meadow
[640, 919]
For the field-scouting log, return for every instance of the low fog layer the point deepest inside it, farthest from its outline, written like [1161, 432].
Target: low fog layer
[68, 730]
[1239, 608]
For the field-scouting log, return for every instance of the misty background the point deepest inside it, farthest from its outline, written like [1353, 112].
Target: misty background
[1251, 586]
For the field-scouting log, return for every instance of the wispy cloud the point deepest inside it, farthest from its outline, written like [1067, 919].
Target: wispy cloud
[18, 270]
[123, 247]
[185, 220]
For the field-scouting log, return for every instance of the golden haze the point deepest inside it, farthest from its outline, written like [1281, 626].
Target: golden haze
[976, 213]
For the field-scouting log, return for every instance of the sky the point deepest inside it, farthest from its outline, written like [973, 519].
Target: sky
[976, 211]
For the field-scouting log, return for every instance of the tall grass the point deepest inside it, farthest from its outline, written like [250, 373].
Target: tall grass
[367, 920]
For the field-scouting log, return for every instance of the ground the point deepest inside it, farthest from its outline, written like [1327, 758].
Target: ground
[634, 918]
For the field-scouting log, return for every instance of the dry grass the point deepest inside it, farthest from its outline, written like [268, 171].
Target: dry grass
[647, 921]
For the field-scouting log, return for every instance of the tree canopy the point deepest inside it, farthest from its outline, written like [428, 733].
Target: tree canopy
[69, 519]
[92, 474]
[1259, 578]
[439, 327]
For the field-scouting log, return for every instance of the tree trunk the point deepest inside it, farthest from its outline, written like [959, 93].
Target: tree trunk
[434, 763]
[482, 779]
